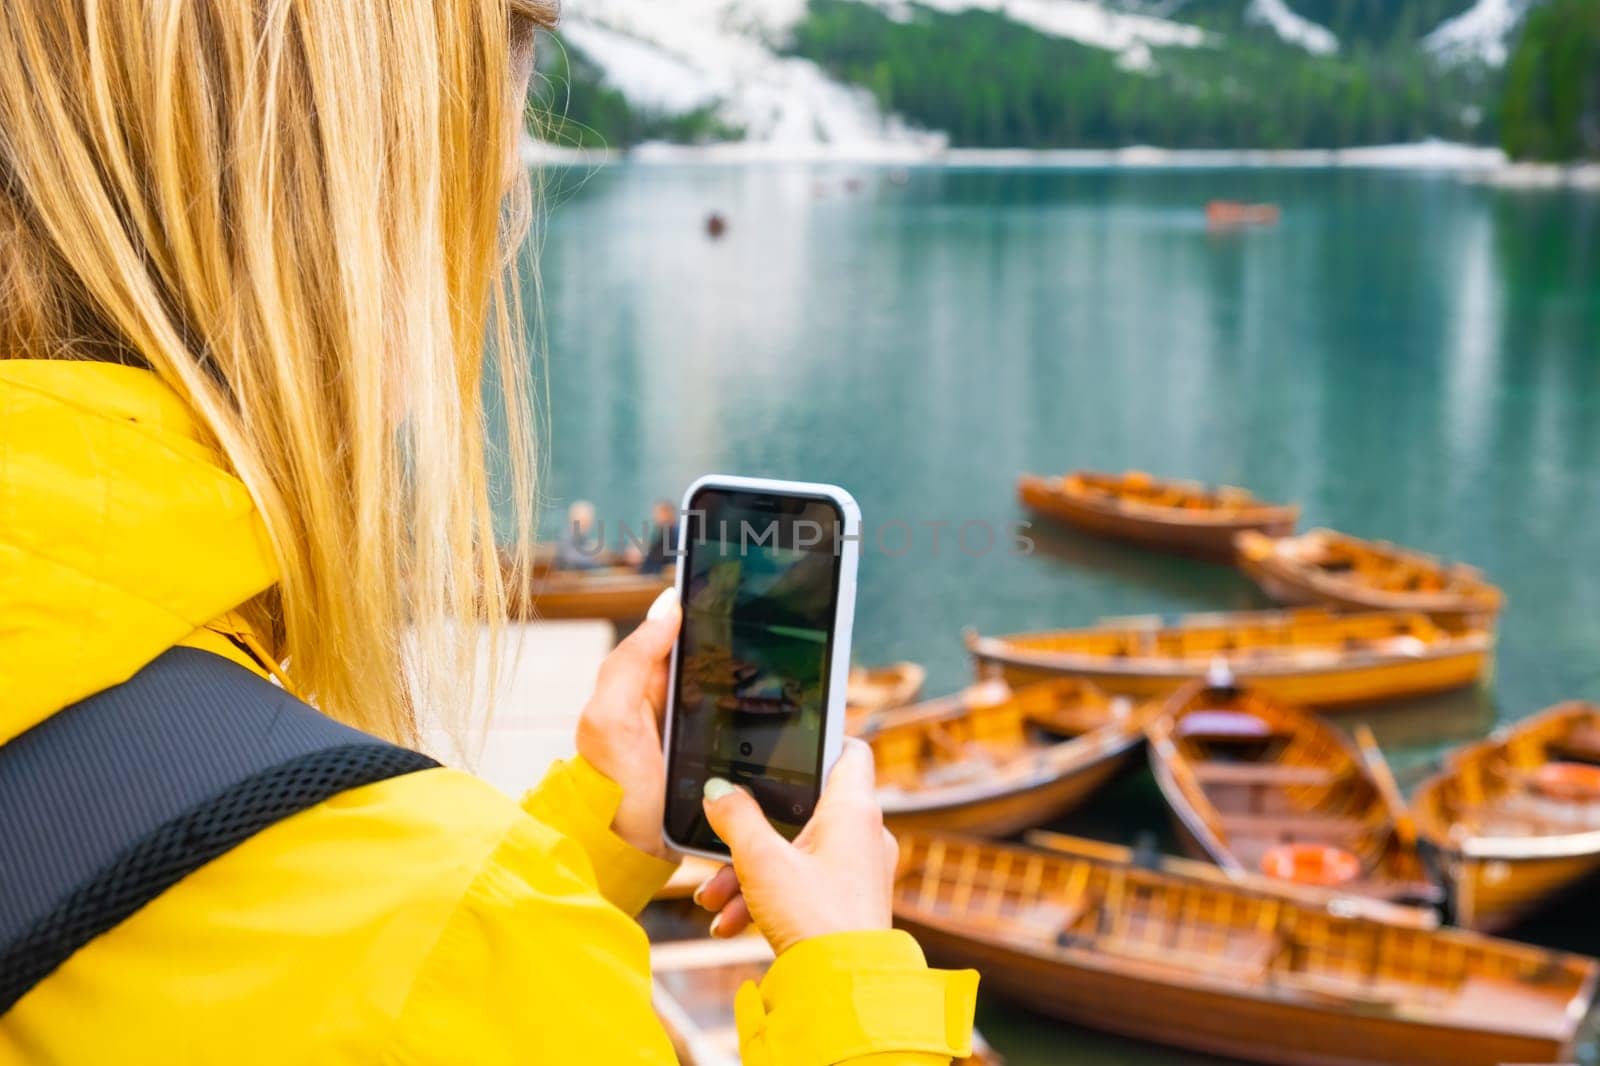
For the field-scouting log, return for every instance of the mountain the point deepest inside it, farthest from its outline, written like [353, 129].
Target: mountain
[847, 75]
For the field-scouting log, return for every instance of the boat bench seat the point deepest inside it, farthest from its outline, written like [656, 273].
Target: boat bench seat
[1395, 891]
[1357, 991]
[1044, 919]
[1265, 774]
[1238, 954]
[1523, 813]
[1303, 827]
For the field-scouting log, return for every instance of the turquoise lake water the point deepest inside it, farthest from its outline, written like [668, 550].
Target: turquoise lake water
[1408, 356]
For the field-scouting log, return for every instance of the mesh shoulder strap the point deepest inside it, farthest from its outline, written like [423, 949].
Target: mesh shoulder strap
[108, 803]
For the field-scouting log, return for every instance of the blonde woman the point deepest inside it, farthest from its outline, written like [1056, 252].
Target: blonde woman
[253, 253]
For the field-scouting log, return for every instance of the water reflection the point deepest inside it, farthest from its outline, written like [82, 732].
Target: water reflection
[1408, 357]
[1189, 584]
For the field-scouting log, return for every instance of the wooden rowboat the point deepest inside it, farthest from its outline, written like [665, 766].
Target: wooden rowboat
[1259, 786]
[1337, 570]
[1320, 897]
[1233, 971]
[1232, 214]
[695, 982]
[881, 688]
[1310, 657]
[1515, 819]
[617, 593]
[1177, 516]
[991, 762]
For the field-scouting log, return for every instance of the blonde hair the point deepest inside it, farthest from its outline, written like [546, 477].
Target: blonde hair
[295, 212]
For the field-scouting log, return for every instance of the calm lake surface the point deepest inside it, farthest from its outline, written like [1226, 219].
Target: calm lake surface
[1408, 356]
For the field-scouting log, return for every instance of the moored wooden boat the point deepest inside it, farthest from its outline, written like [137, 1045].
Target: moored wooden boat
[1169, 515]
[1257, 785]
[1310, 657]
[880, 688]
[617, 593]
[1321, 897]
[1514, 820]
[991, 761]
[1232, 971]
[1338, 570]
[694, 985]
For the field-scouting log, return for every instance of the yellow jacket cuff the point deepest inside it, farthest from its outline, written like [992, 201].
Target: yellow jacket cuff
[579, 801]
[851, 995]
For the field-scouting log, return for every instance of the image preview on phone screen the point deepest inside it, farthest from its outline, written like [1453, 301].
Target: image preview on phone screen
[761, 590]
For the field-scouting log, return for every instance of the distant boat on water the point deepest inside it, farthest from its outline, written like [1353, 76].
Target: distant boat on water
[1331, 569]
[1231, 214]
[1160, 513]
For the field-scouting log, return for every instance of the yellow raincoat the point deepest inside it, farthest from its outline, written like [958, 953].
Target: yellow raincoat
[424, 919]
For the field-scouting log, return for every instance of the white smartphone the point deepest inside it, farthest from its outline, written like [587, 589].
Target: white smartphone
[767, 579]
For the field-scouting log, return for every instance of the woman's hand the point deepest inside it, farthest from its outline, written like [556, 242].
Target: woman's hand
[620, 730]
[837, 876]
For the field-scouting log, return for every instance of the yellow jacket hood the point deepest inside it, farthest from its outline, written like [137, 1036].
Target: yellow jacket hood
[122, 530]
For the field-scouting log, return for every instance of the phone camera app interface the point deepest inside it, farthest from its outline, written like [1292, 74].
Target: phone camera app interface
[752, 683]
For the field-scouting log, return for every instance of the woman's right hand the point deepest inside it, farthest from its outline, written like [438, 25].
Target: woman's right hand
[837, 876]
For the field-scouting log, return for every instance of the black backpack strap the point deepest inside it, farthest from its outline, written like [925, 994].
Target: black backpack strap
[110, 802]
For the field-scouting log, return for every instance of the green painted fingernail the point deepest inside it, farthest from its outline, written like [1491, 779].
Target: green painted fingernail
[716, 788]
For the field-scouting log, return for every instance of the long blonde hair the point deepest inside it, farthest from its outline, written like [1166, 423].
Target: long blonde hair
[296, 213]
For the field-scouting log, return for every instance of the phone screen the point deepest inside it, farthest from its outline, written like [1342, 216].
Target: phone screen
[751, 696]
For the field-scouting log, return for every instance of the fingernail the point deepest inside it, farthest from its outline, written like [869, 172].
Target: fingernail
[716, 926]
[699, 892]
[716, 788]
[664, 604]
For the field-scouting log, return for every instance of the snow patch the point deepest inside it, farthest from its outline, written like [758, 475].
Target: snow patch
[1546, 176]
[648, 76]
[1084, 21]
[1482, 32]
[1424, 155]
[692, 53]
[1296, 29]
[1469, 161]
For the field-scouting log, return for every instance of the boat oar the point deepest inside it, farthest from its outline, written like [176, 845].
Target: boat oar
[1383, 777]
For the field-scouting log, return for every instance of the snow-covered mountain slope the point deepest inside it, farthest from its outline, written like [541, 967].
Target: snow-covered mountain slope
[1482, 32]
[684, 54]
[679, 55]
[676, 56]
[1313, 37]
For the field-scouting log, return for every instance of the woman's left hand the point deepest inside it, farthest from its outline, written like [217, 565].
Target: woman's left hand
[620, 730]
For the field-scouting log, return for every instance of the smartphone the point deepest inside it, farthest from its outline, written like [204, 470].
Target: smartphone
[756, 691]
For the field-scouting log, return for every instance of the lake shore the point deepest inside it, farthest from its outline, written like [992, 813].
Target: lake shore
[1473, 162]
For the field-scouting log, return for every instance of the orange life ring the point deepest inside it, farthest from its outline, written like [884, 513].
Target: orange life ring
[1572, 782]
[1311, 864]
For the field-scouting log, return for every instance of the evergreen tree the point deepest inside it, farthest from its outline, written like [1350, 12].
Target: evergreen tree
[988, 81]
[1551, 106]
